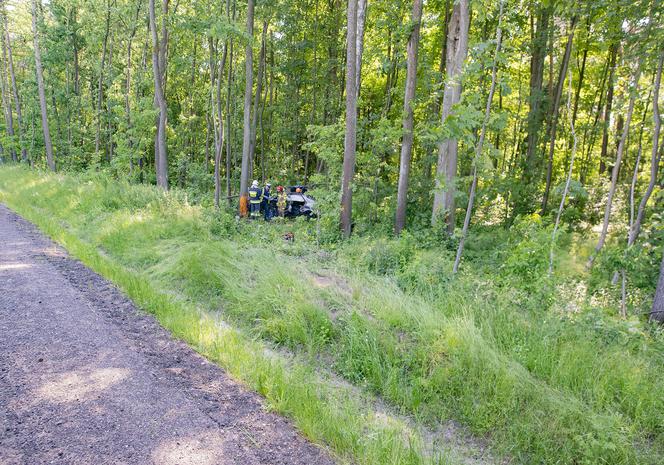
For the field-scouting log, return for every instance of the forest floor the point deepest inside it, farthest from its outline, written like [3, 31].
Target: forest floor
[87, 378]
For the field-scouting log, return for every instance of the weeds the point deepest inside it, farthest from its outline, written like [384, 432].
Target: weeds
[484, 348]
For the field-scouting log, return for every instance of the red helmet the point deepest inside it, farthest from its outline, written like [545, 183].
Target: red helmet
[280, 188]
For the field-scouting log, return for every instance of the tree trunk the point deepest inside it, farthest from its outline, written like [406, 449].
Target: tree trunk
[249, 75]
[616, 168]
[6, 99]
[359, 41]
[50, 158]
[530, 172]
[554, 114]
[599, 96]
[635, 172]
[480, 142]
[607, 111]
[457, 48]
[443, 57]
[556, 225]
[109, 119]
[657, 313]
[408, 123]
[228, 123]
[158, 70]
[655, 156]
[351, 120]
[258, 96]
[582, 73]
[228, 116]
[436, 103]
[17, 100]
[100, 84]
[214, 104]
[130, 141]
[219, 146]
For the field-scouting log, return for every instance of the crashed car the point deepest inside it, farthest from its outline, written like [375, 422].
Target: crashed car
[298, 203]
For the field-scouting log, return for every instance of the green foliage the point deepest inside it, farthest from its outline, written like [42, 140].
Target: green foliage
[528, 258]
[575, 204]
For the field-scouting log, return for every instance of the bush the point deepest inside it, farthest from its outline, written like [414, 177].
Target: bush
[575, 203]
[528, 248]
[428, 272]
[383, 256]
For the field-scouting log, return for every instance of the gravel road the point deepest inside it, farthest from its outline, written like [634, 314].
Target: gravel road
[86, 378]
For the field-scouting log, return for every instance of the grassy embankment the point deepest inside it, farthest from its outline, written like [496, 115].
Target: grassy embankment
[543, 386]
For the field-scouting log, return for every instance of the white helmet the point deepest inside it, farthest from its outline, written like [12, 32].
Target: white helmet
[254, 183]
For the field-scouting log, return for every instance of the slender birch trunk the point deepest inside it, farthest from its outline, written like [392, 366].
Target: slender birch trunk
[616, 169]
[655, 156]
[561, 207]
[554, 114]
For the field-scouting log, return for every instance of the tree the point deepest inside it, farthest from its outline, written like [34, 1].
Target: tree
[554, 113]
[218, 117]
[158, 71]
[657, 313]
[457, 48]
[248, 87]
[132, 34]
[359, 40]
[351, 120]
[613, 54]
[50, 158]
[616, 168]
[12, 76]
[655, 156]
[568, 181]
[258, 96]
[408, 119]
[539, 36]
[6, 100]
[100, 84]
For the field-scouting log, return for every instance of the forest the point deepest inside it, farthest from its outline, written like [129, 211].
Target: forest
[488, 244]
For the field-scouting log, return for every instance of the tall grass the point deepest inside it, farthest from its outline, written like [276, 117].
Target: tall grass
[76, 213]
[543, 387]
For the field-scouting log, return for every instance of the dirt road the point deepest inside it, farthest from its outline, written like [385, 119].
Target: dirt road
[86, 378]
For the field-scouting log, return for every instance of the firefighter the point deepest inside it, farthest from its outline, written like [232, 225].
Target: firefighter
[282, 201]
[265, 203]
[255, 199]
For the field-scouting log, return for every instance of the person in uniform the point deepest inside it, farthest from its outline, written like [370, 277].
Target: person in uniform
[255, 199]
